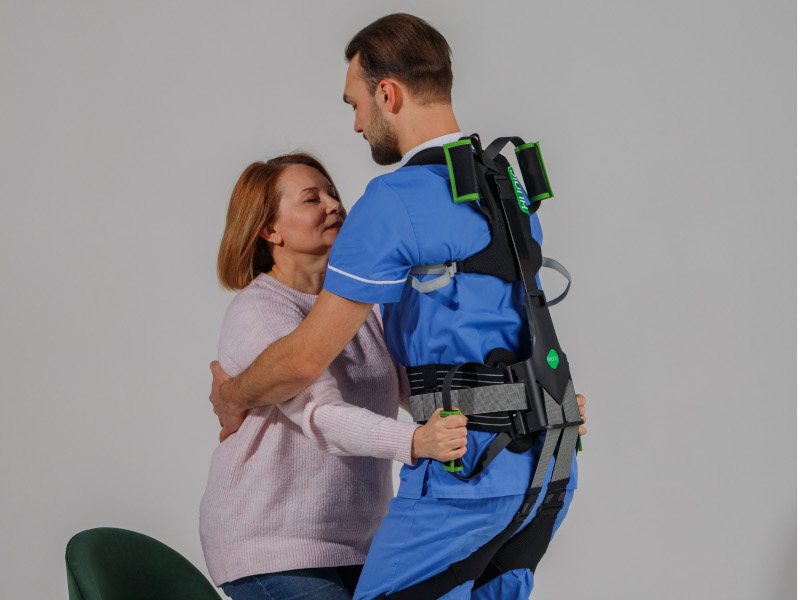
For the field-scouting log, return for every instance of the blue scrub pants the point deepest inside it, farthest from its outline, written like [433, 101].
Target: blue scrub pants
[421, 537]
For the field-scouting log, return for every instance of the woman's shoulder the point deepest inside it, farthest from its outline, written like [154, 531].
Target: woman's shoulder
[268, 299]
[257, 316]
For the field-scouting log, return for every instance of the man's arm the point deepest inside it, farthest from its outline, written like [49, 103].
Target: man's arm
[292, 363]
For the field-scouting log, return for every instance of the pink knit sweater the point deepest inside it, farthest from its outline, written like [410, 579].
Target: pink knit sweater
[304, 483]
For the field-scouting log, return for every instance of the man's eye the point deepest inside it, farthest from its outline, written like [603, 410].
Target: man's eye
[312, 200]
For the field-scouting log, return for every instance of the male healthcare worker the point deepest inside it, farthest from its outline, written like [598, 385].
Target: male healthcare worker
[398, 83]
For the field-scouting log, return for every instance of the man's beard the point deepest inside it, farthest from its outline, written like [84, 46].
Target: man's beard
[383, 139]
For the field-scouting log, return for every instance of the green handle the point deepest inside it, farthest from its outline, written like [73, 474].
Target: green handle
[452, 466]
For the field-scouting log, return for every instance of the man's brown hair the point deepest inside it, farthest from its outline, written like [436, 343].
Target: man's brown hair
[408, 49]
[256, 197]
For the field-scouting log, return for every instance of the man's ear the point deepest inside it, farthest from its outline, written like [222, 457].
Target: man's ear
[389, 95]
[273, 237]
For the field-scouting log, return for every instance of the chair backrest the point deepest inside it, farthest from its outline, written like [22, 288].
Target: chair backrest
[116, 564]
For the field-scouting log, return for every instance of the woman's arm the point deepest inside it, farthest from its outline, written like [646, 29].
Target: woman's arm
[320, 411]
[340, 428]
[343, 429]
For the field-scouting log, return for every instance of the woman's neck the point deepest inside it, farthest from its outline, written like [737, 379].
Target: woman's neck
[304, 273]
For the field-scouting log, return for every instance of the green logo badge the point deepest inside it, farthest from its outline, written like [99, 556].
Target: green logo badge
[518, 192]
[552, 358]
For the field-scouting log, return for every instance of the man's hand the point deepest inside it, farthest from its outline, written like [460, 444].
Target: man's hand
[582, 410]
[230, 417]
[441, 438]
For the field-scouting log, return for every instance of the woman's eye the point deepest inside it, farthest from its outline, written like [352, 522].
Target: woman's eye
[313, 200]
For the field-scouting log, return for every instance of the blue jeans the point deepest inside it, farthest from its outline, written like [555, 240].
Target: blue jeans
[329, 583]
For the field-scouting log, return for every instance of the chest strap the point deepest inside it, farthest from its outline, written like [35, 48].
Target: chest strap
[447, 272]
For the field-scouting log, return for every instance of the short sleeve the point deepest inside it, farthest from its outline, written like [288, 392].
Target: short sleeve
[375, 250]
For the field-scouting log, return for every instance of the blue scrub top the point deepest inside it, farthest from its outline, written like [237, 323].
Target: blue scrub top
[405, 219]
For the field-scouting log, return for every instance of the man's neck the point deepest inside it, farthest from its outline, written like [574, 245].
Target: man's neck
[431, 143]
[428, 122]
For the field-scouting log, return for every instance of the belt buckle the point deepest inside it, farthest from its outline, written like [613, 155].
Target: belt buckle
[519, 424]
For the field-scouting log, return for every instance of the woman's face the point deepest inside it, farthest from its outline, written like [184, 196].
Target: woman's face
[309, 215]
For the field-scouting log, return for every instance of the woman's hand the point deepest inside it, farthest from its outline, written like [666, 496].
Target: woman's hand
[441, 438]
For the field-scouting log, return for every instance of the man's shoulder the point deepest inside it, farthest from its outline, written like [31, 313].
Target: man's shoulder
[409, 185]
[418, 175]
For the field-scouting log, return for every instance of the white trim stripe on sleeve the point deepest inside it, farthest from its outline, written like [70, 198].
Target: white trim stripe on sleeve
[357, 278]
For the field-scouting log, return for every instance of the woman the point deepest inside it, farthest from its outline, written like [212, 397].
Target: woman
[295, 495]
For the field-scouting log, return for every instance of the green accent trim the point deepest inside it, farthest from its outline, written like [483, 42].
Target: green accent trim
[580, 444]
[456, 198]
[524, 146]
[451, 466]
[518, 192]
[447, 413]
[538, 150]
[553, 359]
[544, 171]
[457, 143]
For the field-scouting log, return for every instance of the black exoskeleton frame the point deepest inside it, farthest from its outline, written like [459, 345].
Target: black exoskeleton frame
[485, 179]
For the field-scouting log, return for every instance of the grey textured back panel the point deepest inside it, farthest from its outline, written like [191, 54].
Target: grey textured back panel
[472, 401]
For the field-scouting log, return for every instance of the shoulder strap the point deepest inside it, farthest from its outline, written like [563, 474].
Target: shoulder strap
[429, 156]
[470, 180]
[468, 183]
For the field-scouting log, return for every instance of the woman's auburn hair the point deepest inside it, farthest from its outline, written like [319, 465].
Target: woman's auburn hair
[254, 203]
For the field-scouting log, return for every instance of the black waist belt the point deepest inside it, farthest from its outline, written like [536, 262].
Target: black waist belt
[501, 409]
[429, 378]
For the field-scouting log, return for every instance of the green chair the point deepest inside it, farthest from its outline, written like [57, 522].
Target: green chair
[116, 564]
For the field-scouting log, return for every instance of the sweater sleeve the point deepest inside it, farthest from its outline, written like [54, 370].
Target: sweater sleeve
[325, 418]
[340, 428]
[252, 323]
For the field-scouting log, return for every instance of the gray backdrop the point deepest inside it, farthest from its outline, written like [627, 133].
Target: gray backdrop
[669, 134]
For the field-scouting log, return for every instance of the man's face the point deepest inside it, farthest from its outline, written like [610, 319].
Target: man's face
[369, 119]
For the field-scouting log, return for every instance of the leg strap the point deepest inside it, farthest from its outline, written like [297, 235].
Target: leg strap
[526, 548]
